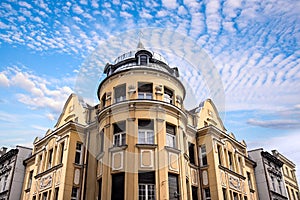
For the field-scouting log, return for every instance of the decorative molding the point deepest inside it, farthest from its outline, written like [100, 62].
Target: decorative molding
[46, 181]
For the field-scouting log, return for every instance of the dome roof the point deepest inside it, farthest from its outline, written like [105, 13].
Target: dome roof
[140, 59]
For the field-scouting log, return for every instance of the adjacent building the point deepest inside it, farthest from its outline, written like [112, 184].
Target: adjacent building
[57, 166]
[12, 171]
[289, 176]
[269, 177]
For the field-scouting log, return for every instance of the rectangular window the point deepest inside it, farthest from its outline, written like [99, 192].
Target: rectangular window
[194, 193]
[206, 193]
[119, 133]
[78, 153]
[219, 154]
[288, 191]
[103, 100]
[99, 188]
[235, 196]
[120, 93]
[145, 90]
[170, 135]
[224, 194]
[75, 193]
[5, 182]
[249, 180]
[192, 152]
[62, 147]
[143, 60]
[230, 161]
[117, 189]
[29, 183]
[50, 159]
[173, 186]
[203, 156]
[168, 95]
[56, 193]
[279, 186]
[241, 165]
[146, 185]
[39, 168]
[146, 132]
[273, 183]
[44, 197]
[100, 141]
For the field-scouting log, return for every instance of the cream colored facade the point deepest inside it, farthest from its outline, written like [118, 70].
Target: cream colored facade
[289, 176]
[55, 169]
[139, 142]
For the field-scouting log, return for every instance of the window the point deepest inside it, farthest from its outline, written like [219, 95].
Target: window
[117, 189]
[56, 193]
[249, 180]
[206, 193]
[101, 138]
[145, 90]
[75, 193]
[203, 156]
[235, 196]
[62, 146]
[39, 169]
[119, 133]
[120, 93]
[273, 183]
[245, 198]
[173, 186]
[192, 152]
[146, 132]
[219, 154]
[103, 100]
[279, 186]
[99, 188]
[50, 158]
[241, 165]
[143, 59]
[224, 194]
[168, 95]
[230, 161]
[34, 197]
[170, 135]
[288, 191]
[78, 154]
[29, 183]
[5, 182]
[194, 193]
[44, 196]
[146, 185]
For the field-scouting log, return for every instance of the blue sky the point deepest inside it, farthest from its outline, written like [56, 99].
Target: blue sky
[46, 47]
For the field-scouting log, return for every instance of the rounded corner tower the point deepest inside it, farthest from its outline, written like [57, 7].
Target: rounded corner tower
[142, 125]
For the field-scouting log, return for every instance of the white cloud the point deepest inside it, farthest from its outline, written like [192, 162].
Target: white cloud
[4, 80]
[77, 9]
[171, 4]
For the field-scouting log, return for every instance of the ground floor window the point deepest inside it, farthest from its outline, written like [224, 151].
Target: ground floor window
[146, 185]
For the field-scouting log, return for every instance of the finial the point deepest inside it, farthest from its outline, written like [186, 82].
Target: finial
[140, 44]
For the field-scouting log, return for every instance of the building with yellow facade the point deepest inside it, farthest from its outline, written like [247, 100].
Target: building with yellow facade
[139, 142]
[289, 176]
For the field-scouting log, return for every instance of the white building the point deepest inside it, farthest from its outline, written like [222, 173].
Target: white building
[12, 172]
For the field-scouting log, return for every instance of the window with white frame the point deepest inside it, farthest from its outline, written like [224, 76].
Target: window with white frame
[119, 133]
[145, 90]
[170, 135]
[146, 185]
[203, 155]
[120, 93]
[78, 153]
[168, 95]
[145, 132]
[75, 193]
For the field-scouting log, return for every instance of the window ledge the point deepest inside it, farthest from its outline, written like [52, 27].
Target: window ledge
[172, 149]
[118, 148]
[49, 170]
[149, 146]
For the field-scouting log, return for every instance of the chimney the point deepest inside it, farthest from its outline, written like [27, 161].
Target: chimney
[3, 150]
